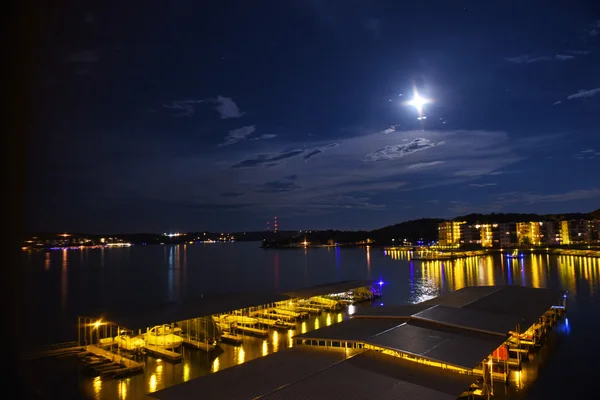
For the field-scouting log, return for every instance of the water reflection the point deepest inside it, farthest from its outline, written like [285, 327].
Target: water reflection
[97, 387]
[408, 280]
[369, 262]
[276, 268]
[64, 280]
[47, 262]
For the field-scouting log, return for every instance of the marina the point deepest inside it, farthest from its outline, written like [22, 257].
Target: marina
[455, 345]
[116, 344]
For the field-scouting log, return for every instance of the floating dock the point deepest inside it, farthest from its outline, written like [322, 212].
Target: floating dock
[231, 338]
[198, 344]
[163, 353]
[115, 366]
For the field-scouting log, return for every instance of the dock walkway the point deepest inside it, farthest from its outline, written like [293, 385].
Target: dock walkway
[120, 365]
[162, 352]
[198, 344]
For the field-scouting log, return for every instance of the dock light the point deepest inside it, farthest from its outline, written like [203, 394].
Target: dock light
[380, 282]
[159, 360]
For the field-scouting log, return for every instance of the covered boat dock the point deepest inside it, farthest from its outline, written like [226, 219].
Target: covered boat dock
[203, 322]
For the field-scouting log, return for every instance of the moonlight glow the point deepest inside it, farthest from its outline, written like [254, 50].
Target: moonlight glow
[418, 102]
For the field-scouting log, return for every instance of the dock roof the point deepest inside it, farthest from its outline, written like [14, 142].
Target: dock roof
[355, 329]
[314, 374]
[527, 303]
[179, 311]
[328, 288]
[487, 322]
[405, 311]
[440, 344]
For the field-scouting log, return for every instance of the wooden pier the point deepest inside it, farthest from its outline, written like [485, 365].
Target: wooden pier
[231, 338]
[163, 353]
[252, 331]
[114, 365]
[198, 344]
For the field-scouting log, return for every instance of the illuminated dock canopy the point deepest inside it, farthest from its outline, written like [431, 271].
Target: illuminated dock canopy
[307, 373]
[142, 317]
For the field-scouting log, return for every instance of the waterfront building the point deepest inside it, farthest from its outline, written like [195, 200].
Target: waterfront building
[508, 234]
[528, 233]
[449, 233]
[486, 235]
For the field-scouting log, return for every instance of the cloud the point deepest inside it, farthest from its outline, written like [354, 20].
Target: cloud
[584, 93]
[389, 130]
[236, 135]
[232, 194]
[83, 57]
[563, 57]
[557, 103]
[426, 165]
[481, 185]
[278, 186]
[233, 178]
[533, 58]
[527, 59]
[594, 31]
[532, 198]
[321, 150]
[185, 107]
[400, 150]
[578, 52]
[266, 159]
[227, 108]
[311, 154]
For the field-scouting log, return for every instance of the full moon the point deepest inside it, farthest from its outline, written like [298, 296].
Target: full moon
[418, 102]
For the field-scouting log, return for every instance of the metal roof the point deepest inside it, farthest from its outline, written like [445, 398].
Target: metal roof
[328, 288]
[523, 302]
[254, 378]
[446, 345]
[356, 329]
[498, 324]
[305, 373]
[349, 381]
[172, 312]
[397, 312]
[462, 297]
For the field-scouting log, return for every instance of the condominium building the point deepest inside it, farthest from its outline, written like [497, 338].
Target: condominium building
[449, 233]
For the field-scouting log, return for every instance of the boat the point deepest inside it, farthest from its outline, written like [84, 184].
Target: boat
[239, 319]
[130, 343]
[161, 336]
[515, 254]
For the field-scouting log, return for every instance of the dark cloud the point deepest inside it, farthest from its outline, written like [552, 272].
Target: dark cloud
[232, 194]
[401, 150]
[278, 186]
[266, 159]
[311, 154]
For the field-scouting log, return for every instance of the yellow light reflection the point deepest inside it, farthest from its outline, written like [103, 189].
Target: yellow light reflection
[97, 387]
[303, 327]
[241, 356]
[215, 365]
[122, 390]
[290, 340]
[186, 372]
[265, 348]
[275, 341]
[159, 370]
[316, 324]
[340, 317]
[328, 319]
[152, 384]
[47, 262]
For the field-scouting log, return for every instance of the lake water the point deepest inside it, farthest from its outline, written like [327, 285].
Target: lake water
[63, 284]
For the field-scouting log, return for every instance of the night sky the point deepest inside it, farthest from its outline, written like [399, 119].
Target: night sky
[218, 115]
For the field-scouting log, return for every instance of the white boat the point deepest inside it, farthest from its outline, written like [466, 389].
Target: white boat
[160, 336]
[238, 319]
[130, 343]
